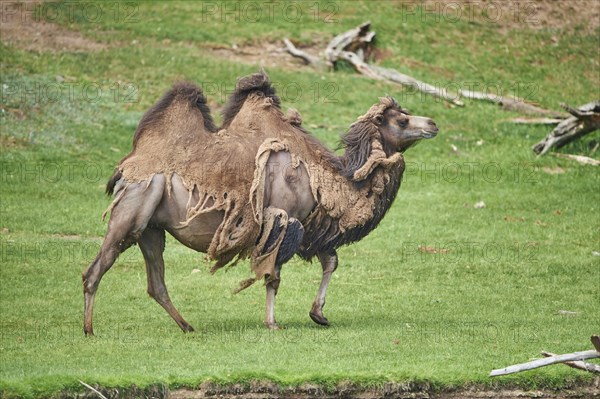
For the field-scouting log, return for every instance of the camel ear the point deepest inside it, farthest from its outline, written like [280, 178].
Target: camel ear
[378, 119]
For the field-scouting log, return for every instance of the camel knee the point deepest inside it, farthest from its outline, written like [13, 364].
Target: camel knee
[158, 292]
[329, 262]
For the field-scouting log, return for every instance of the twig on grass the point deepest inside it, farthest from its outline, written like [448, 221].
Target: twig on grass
[93, 389]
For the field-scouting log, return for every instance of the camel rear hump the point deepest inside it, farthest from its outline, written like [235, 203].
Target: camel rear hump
[183, 107]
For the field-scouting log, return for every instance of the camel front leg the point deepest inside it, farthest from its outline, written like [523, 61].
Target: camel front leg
[329, 262]
[270, 322]
[285, 248]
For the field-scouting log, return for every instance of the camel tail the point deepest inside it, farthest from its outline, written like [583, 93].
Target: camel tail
[112, 182]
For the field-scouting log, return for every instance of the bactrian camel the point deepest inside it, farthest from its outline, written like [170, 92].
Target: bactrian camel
[260, 187]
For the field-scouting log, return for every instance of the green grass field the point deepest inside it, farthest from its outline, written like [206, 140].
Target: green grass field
[489, 294]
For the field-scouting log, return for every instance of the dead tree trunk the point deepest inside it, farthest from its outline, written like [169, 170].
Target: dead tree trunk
[584, 120]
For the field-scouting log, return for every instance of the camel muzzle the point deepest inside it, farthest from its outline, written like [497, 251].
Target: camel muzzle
[428, 134]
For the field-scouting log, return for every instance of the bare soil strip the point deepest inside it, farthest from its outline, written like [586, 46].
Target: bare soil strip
[270, 390]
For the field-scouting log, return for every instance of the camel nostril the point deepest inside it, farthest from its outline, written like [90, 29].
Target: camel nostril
[430, 122]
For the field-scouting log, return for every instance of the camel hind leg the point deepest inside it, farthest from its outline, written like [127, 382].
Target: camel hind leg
[128, 220]
[152, 244]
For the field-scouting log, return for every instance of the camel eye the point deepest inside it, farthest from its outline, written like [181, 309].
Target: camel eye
[403, 122]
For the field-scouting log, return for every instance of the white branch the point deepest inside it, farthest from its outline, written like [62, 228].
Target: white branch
[592, 368]
[579, 158]
[569, 357]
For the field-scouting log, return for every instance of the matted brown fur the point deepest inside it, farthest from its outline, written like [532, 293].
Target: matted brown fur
[225, 170]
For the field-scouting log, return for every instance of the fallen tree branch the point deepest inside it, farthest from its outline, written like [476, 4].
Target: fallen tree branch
[569, 357]
[381, 73]
[509, 104]
[356, 44]
[537, 121]
[579, 158]
[309, 59]
[583, 121]
[520, 105]
[592, 368]
[574, 358]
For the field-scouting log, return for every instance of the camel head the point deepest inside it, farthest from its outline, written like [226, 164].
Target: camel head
[398, 128]
[386, 129]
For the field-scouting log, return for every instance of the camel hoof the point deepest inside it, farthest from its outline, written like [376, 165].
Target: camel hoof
[273, 326]
[186, 328]
[319, 319]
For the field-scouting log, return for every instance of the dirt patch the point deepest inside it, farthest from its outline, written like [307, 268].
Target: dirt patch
[564, 15]
[10, 142]
[21, 27]
[267, 54]
[269, 390]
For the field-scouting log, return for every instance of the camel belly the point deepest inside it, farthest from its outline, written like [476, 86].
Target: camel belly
[199, 233]
[171, 215]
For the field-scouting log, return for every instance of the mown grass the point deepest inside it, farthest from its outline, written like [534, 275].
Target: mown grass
[489, 297]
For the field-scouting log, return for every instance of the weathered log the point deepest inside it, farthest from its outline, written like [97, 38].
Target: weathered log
[569, 357]
[520, 105]
[308, 59]
[584, 120]
[359, 38]
[592, 368]
[510, 104]
[380, 73]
